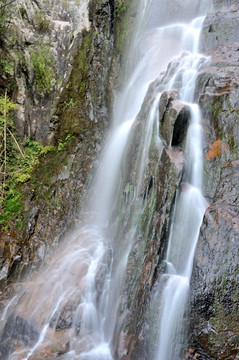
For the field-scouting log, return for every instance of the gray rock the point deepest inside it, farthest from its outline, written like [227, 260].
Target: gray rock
[220, 28]
[216, 273]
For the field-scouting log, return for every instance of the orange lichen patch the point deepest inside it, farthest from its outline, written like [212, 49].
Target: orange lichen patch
[216, 149]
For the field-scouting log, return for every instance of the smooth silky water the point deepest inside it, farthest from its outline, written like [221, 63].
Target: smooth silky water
[85, 276]
[189, 207]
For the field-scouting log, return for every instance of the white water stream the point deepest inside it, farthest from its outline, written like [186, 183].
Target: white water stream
[189, 207]
[85, 276]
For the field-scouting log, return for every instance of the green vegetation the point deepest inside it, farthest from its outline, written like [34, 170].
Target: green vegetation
[6, 67]
[62, 144]
[43, 68]
[19, 171]
[12, 205]
[120, 7]
[17, 162]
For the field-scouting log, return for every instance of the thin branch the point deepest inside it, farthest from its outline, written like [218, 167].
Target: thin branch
[5, 142]
[15, 140]
[1, 166]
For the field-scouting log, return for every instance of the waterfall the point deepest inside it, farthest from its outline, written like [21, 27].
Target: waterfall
[80, 288]
[189, 209]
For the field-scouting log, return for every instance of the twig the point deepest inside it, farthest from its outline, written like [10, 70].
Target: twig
[15, 140]
[5, 142]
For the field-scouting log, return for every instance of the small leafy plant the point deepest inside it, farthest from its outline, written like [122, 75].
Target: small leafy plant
[62, 144]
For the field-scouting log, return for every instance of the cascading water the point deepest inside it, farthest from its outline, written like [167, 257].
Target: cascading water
[188, 213]
[81, 285]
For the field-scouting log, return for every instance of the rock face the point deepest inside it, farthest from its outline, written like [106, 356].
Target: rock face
[220, 28]
[77, 122]
[134, 334]
[215, 279]
[218, 100]
[214, 299]
[46, 35]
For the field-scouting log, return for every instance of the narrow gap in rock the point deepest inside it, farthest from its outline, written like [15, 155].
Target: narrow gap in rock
[180, 127]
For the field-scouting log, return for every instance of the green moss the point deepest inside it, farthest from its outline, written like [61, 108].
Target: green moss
[124, 28]
[217, 108]
[42, 62]
[120, 7]
[73, 101]
[222, 319]
[230, 140]
[83, 57]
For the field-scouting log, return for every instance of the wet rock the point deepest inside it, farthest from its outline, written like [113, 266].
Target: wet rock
[176, 158]
[224, 4]
[173, 119]
[165, 100]
[55, 345]
[215, 275]
[4, 270]
[16, 331]
[132, 338]
[181, 114]
[63, 319]
[217, 87]
[194, 353]
[53, 348]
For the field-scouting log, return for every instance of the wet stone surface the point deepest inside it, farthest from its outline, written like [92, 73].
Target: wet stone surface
[216, 272]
